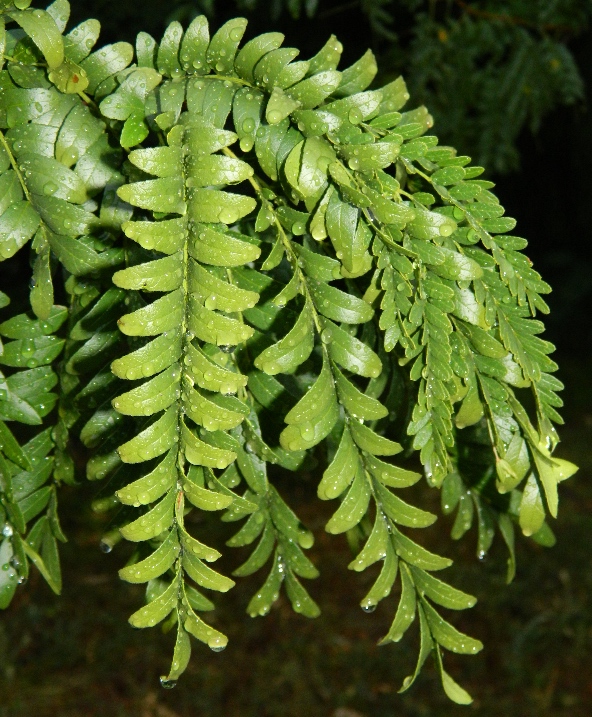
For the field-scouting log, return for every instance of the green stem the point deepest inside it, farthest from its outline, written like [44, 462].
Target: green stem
[293, 259]
[224, 78]
[15, 166]
[10, 58]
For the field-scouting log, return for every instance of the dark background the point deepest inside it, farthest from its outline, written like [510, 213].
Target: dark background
[76, 655]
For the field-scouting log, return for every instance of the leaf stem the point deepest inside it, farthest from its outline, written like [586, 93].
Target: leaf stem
[255, 183]
[15, 166]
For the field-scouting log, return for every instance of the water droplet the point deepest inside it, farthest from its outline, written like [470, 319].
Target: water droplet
[7, 530]
[228, 215]
[217, 644]
[168, 684]
[50, 188]
[368, 608]
[306, 539]
[248, 125]
[307, 431]
[105, 546]
[354, 116]
[70, 155]
[446, 229]
[274, 117]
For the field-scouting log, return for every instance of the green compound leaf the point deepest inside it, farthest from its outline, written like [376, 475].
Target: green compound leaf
[126, 170]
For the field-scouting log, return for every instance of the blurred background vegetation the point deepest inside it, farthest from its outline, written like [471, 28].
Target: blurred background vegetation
[509, 83]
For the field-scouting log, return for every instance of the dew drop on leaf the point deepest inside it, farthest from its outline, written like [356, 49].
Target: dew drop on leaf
[307, 431]
[248, 125]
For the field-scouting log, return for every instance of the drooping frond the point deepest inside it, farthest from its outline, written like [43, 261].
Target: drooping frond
[261, 255]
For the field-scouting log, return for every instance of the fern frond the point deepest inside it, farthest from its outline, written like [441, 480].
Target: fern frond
[263, 255]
